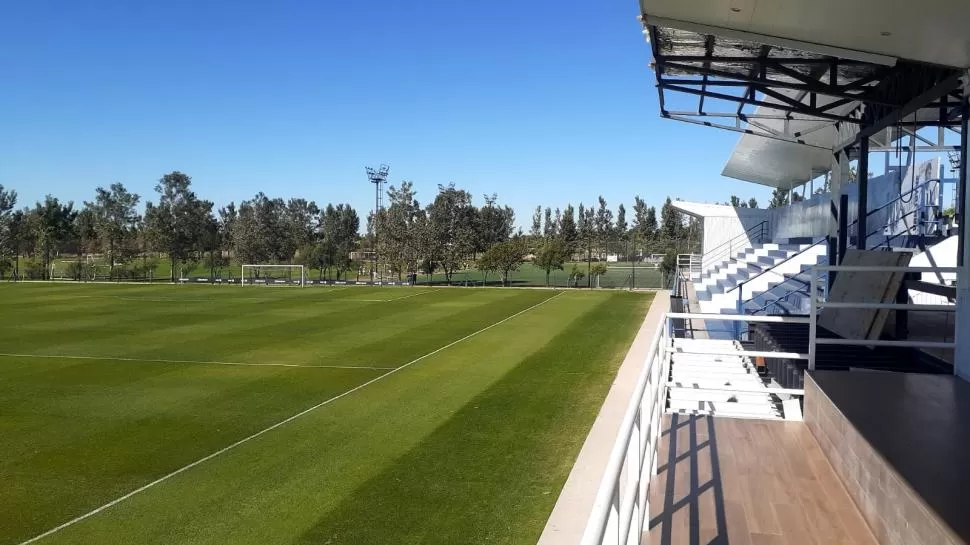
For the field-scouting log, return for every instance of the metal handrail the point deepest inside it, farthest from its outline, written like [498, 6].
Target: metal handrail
[796, 290]
[760, 228]
[782, 298]
[818, 304]
[772, 268]
[620, 508]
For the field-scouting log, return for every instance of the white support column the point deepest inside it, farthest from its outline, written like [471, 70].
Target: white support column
[962, 328]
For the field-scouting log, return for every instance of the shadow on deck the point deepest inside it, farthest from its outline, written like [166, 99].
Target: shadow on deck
[730, 481]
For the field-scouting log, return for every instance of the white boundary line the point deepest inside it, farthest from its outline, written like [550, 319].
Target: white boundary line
[155, 360]
[388, 300]
[287, 420]
[410, 295]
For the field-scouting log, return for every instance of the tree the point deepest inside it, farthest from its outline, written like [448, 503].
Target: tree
[21, 236]
[8, 200]
[495, 223]
[86, 231]
[503, 257]
[348, 226]
[114, 220]
[576, 274]
[452, 220]
[567, 228]
[536, 231]
[752, 203]
[603, 225]
[227, 225]
[779, 198]
[550, 227]
[300, 219]
[736, 202]
[598, 271]
[671, 224]
[651, 222]
[53, 224]
[211, 246]
[247, 236]
[177, 224]
[553, 254]
[621, 226]
[587, 234]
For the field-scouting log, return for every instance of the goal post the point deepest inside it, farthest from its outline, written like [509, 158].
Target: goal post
[273, 275]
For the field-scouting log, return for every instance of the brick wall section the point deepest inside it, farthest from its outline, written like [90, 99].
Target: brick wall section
[895, 512]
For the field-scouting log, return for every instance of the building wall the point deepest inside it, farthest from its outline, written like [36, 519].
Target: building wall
[812, 217]
[718, 230]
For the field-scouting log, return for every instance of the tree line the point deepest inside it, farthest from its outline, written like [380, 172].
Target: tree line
[448, 234]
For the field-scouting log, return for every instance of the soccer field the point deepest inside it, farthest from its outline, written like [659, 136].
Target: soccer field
[217, 414]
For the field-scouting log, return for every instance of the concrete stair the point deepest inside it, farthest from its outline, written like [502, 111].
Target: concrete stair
[776, 273]
[700, 374]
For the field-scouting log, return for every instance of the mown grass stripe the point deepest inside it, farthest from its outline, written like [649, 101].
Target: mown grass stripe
[157, 360]
[266, 430]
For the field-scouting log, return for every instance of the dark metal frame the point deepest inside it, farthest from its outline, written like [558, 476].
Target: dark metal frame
[882, 96]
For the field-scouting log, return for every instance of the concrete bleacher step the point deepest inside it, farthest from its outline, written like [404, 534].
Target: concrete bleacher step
[690, 376]
[716, 396]
[733, 414]
[762, 408]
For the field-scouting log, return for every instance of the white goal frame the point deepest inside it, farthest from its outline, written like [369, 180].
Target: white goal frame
[301, 281]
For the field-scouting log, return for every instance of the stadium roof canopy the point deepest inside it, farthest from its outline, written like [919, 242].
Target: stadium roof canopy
[802, 79]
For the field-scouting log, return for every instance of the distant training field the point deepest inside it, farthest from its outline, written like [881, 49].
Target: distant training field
[257, 415]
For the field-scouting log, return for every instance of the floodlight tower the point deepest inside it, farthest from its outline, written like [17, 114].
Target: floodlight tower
[378, 177]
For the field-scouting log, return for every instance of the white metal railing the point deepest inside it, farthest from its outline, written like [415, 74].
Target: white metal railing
[820, 303]
[690, 262]
[622, 504]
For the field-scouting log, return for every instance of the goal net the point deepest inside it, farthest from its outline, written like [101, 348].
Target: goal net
[273, 275]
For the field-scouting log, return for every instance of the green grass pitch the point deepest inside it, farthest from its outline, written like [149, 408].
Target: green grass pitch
[218, 414]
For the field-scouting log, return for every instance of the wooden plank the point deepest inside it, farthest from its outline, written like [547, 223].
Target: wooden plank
[750, 482]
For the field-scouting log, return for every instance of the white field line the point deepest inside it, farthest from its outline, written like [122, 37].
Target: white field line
[156, 360]
[409, 295]
[388, 300]
[287, 420]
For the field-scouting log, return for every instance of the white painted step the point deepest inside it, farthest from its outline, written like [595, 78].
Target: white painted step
[715, 396]
[748, 382]
[757, 416]
[762, 407]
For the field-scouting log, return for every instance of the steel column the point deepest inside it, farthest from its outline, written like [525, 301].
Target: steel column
[843, 225]
[961, 358]
[863, 209]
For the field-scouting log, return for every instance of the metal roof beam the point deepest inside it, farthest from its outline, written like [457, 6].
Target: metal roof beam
[816, 87]
[742, 130]
[802, 108]
[876, 118]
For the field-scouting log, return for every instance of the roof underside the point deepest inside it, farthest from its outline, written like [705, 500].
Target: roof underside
[927, 31]
[801, 79]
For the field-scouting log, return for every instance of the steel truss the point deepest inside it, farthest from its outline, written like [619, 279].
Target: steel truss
[858, 98]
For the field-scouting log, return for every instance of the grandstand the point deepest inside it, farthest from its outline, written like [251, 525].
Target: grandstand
[806, 383]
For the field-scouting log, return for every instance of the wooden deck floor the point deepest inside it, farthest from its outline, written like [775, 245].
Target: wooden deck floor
[724, 481]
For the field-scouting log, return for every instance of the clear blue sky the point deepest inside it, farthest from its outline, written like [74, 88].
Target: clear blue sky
[541, 102]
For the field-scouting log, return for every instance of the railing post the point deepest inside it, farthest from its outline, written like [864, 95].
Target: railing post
[813, 318]
[740, 310]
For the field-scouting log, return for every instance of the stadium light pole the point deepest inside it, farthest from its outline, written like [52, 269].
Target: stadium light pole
[376, 176]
